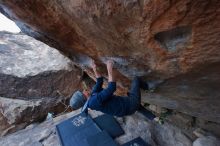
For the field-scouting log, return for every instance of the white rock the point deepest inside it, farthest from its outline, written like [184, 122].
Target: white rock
[21, 55]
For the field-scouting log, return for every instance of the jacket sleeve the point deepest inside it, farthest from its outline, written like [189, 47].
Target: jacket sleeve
[98, 85]
[106, 93]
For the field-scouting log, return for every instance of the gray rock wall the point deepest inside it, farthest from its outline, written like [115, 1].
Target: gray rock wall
[34, 78]
[30, 68]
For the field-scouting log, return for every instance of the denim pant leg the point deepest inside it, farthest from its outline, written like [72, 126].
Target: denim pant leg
[135, 95]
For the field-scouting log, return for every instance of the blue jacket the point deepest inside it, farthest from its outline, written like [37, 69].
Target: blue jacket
[105, 101]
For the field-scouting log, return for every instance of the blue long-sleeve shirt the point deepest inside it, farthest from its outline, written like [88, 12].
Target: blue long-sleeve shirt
[105, 101]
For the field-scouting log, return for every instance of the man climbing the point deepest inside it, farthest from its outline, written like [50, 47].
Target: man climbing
[104, 100]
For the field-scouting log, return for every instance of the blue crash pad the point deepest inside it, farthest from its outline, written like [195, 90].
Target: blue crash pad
[101, 139]
[74, 131]
[109, 124]
[136, 142]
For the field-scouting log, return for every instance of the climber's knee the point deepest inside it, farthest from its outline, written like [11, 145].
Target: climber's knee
[134, 106]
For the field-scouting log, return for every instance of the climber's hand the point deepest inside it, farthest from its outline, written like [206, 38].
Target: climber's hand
[109, 65]
[94, 67]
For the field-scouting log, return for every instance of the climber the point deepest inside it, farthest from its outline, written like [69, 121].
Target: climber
[104, 100]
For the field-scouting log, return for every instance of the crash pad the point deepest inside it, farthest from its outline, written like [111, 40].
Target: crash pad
[109, 124]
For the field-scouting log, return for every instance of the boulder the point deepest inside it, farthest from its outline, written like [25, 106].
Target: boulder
[159, 38]
[30, 68]
[173, 40]
[207, 141]
[16, 114]
[34, 79]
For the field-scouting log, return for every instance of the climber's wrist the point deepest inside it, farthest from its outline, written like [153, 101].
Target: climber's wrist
[110, 77]
[97, 75]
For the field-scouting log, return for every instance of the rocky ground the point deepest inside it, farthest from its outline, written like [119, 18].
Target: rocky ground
[134, 126]
[44, 134]
[16, 114]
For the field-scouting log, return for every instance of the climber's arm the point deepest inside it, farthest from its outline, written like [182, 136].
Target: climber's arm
[106, 93]
[98, 85]
[94, 68]
[110, 69]
[99, 79]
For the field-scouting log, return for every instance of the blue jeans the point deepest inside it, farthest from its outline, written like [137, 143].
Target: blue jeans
[134, 95]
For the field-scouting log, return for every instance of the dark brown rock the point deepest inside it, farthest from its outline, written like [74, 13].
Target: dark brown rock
[47, 84]
[211, 127]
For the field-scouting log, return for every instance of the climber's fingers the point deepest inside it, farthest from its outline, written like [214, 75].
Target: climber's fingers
[93, 65]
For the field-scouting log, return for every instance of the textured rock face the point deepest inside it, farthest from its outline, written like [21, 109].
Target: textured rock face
[29, 68]
[173, 40]
[196, 94]
[206, 141]
[165, 37]
[23, 56]
[16, 114]
[134, 126]
[36, 73]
